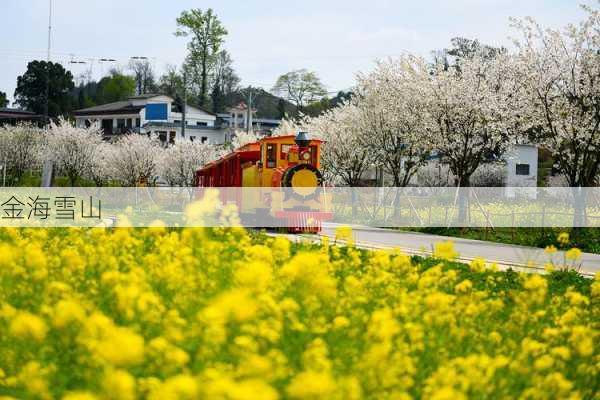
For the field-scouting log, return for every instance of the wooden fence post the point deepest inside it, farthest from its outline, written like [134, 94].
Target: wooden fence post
[429, 218]
[543, 221]
[512, 226]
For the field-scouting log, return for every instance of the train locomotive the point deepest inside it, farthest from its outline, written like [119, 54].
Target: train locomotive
[283, 178]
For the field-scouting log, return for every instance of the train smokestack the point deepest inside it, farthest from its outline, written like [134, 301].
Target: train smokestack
[302, 140]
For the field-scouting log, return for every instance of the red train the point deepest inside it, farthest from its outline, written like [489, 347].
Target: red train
[280, 182]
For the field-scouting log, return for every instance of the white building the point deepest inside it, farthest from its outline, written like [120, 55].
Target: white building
[522, 170]
[522, 166]
[154, 115]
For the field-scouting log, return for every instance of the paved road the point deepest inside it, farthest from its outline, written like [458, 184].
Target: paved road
[525, 258]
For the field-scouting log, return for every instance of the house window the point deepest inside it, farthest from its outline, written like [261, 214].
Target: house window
[204, 139]
[201, 123]
[129, 123]
[107, 126]
[120, 125]
[177, 121]
[522, 169]
[138, 122]
[271, 155]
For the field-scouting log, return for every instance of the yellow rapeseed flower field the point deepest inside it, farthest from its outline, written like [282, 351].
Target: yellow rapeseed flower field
[165, 314]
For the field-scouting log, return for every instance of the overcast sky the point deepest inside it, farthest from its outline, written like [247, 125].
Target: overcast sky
[335, 38]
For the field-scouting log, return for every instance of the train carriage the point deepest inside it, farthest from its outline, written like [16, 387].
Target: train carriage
[284, 178]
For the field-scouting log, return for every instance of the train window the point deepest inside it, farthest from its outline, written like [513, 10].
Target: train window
[285, 150]
[271, 155]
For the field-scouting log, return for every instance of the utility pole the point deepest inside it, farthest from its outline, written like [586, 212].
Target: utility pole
[47, 94]
[183, 112]
[48, 168]
[49, 28]
[250, 99]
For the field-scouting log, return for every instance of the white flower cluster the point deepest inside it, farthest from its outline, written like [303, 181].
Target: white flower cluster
[81, 153]
[547, 92]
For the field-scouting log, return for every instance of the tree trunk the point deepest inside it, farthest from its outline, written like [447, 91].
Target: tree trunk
[204, 79]
[354, 199]
[579, 207]
[397, 198]
[463, 200]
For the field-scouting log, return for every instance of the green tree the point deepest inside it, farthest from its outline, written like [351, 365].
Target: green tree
[324, 104]
[3, 100]
[207, 34]
[300, 87]
[281, 110]
[171, 82]
[224, 81]
[31, 88]
[115, 87]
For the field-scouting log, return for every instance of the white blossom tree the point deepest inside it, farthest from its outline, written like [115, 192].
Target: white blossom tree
[242, 138]
[20, 149]
[467, 121]
[466, 114]
[180, 162]
[135, 160]
[344, 156]
[287, 127]
[101, 171]
[72, 149]
[558, 106]
[391, 105]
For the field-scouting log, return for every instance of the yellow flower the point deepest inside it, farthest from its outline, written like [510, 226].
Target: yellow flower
[340, 322]
[583, 344]
[180, 387]
[311, 385]
[343, 233]
[544, 362]
[464, 287]
[79, 396]
[66, 312]
[281, 248]
[561, 352]
[563, 238]
[119, 346]
[28, 326]
[551, 249]
[447, 393]
[34, 377]
[7, 255]
[119, 385]
[477, 265]
[495, 337]
[574, 254]
[549, 267]
[445, 251]
[254, 274]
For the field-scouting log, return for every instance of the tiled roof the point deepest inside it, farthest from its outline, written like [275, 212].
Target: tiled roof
[118, 107]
